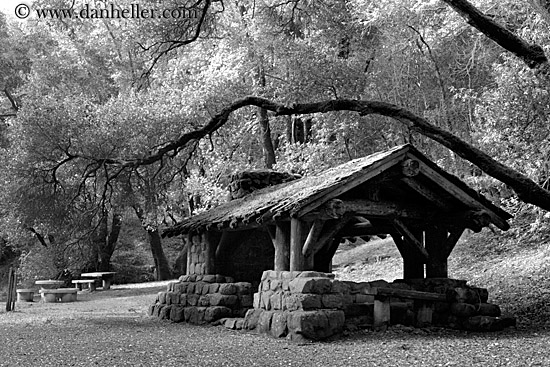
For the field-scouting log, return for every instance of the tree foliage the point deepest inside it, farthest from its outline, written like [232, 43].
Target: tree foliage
[153, 116]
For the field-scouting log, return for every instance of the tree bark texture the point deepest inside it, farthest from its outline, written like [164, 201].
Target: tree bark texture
[155, 242]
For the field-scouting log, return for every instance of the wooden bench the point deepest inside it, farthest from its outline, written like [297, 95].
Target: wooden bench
[89, 282]
[58, 295]
[423, 305]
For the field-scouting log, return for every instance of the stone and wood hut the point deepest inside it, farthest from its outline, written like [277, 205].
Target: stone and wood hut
[275, 240]
[297, 225]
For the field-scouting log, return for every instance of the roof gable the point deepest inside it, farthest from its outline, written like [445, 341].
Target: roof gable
[299, 197]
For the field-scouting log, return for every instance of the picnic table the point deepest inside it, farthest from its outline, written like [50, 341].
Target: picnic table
[105, 276]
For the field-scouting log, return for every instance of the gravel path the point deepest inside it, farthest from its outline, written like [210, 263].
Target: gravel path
[112, 329]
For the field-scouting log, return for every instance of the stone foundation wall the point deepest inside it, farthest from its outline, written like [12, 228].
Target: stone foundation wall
[201, 299]
[298, 304]
[314, 305]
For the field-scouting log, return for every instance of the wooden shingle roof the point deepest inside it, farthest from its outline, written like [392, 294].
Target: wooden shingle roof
[296, 198]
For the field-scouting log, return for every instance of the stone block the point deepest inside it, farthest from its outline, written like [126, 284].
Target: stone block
[484, 323]
[230, 323]
[220, 278]
[276, 285]
[251, 318]
[176, 314]
[264, 322]
[464, 295]
[276, 301]
[285, 285]
[180, 287]
[215, 313]
[184, 278]
[161, 297]
[209, 278]
[192, 278]
[257, 300]
[227, 289]
[310, 285]
[229, 280]
[172, 298]
[278, 324]
[239, 325]
[218, 299]
[488, 309]
[243, 288]
[164, 312]
[191, 268]
[363, 298]
[332, 301]
[266, 300]
[302, 301]
[205, 288]
[183, 299]
[193, 299]
[310, 324]
[265, 285]
[188, 313]
[170, 287]
[199, 286]
[339, 287]
[463, 309]
[158, 308]
[288, 275]
[213, 288]
[190, 288]
[265, 275]
[246, 300]
[199, 277]
[272, 274]
[204, 301]
[312, 274]
[380, 283]
[482, 294]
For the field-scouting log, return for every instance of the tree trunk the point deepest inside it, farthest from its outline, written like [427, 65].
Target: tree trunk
[161, 263]
[162, 266]
[106, 252]
[267, 143]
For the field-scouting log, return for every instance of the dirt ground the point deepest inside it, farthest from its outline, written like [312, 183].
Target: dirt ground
[111, 328]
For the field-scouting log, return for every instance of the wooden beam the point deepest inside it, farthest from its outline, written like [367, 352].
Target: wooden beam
[313, 237]
[462, 195]
[426, 193]
[330, 231]
[298, 234]
[409, 237]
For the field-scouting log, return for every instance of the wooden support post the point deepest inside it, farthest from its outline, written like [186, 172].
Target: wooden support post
[435, 238]
[413, 267]
[298, 233]
[281, 242]
[311, 242]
